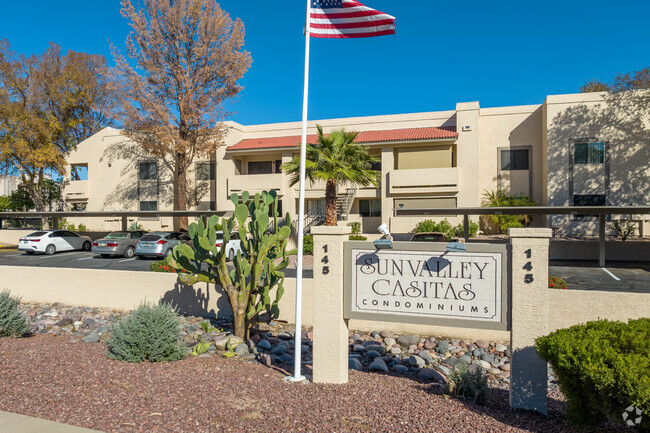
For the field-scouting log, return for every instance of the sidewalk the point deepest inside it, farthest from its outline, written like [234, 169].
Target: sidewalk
[14, 423]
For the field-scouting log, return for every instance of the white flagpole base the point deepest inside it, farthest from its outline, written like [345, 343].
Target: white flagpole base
[294, 379]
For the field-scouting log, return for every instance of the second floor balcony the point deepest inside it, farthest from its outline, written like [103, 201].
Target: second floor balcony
[255, 183]
[424, 180]
[77, 190]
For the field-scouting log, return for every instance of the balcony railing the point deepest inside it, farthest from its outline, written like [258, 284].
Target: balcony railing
[254, 183]
[424, 180]
[77, 190]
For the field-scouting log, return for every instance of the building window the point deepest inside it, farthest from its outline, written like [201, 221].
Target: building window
[589, 200]
[514, 159]
[148, 206]
[205, 171]
[148, 170]
[278, 166]
[589, 153]
[78, 207]
[78, 172]
[370, 208]
[260, 167]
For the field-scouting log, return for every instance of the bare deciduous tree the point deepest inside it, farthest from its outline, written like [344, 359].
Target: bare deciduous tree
[188, 56]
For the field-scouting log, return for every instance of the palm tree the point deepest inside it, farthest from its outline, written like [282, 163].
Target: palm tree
[335, 159]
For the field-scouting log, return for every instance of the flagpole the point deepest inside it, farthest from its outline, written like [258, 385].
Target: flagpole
[297, 376]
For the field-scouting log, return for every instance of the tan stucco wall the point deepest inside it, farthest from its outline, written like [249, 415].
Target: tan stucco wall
[620, 119]
[124, 290]
[572, 307]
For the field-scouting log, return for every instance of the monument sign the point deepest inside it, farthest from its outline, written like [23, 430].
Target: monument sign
[425, 284]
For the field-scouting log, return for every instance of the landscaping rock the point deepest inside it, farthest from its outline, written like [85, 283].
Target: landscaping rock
[64, 322]
[430, 374]
[408, 340]
[372, 354]
[264, 345]
[401, 369]
[355, 364]
[390, 341]
[92, 337]
[442, 346]
[385, 334]
[501, 348]
[482, 344]
[241, 349]
[378, 365]
[377, 348]
[285, 336]
[221, 341]
[485, 365]
[416, 361]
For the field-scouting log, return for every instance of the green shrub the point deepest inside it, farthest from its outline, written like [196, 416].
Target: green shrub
[13, 323]
[602, 367]
[623, 231]
[468, 384]
[556, 283]
[308, 245]
[149, 333]
[356, 227]
[445, 227]
[358, 238]
[502, 199]
[82, 228]
[135, 226]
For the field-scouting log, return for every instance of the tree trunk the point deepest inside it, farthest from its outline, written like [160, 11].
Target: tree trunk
[180, 190]
[239, 307]
[330, 203]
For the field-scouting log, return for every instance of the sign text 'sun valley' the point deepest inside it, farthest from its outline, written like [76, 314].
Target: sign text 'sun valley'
[417, 283]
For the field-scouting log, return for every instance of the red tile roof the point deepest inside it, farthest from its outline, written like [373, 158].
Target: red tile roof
[410, 134]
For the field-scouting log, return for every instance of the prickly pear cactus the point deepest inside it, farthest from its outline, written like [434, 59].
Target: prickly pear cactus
[257, 268]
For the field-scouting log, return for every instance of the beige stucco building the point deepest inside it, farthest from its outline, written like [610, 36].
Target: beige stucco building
[575, 149]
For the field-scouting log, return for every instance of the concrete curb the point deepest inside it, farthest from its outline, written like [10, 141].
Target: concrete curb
[15, 423]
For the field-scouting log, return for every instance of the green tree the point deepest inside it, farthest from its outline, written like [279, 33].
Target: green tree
[629, 81]
[48, 104]
[502, 199]
[335, 159]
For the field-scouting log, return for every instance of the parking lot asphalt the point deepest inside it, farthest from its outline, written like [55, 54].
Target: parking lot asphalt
[89, 260]
[616, 276]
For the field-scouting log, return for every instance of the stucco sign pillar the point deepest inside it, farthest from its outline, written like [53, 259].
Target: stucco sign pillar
[529, 273]
[330, 349]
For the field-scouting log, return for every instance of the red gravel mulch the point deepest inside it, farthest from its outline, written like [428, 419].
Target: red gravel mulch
[75, 383]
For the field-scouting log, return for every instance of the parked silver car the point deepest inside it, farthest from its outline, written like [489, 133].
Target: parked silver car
[118, 244]
[160, 244]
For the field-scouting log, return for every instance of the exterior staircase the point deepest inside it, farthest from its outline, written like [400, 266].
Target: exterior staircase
[344, 203]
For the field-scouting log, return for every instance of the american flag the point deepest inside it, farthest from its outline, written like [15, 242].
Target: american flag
[348, 19]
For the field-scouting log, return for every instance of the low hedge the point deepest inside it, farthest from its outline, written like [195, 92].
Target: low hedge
[603, 368]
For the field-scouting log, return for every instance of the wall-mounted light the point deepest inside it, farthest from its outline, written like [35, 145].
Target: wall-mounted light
[386, 241]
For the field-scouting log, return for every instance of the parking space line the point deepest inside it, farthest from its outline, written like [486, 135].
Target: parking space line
[14, 255]
[87, 258]
[126, 260]
[610, 274]
[74, 253]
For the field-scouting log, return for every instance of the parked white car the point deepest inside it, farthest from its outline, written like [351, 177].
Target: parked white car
[51, 241]
[232, 246]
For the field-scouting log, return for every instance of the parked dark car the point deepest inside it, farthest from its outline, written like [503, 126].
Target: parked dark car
[428, 237]
[118, 244]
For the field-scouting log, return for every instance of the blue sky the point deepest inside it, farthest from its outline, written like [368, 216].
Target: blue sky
[497, 53]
